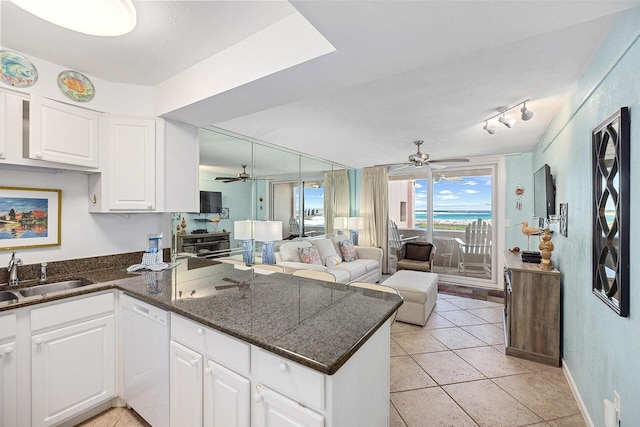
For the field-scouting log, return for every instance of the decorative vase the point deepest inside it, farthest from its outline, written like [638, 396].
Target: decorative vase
[183, 224]
[546, 247]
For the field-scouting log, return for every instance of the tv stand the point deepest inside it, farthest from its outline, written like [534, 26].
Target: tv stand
[211, 245]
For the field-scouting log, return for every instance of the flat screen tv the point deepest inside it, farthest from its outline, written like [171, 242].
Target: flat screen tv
[210, 202]
[544, 193]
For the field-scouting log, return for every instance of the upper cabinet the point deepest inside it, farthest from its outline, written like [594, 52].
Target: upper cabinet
[148, 165]
[63, 133]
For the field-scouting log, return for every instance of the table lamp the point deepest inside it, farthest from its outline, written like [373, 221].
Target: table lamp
[244, 230]
[268, 232]
[340, 223]
[355, 223]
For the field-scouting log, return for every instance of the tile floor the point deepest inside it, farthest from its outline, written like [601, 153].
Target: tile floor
[453, 372]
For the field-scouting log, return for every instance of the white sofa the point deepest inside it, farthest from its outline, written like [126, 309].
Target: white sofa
[367, 268]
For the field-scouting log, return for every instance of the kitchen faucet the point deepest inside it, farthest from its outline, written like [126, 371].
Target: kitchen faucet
[14, 263]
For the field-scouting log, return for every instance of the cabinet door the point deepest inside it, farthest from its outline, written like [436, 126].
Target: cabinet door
[226, 397]
[131, 165]
[72, 369]
[275, 410]
[185, 395]
[8, 385]
[63, 133]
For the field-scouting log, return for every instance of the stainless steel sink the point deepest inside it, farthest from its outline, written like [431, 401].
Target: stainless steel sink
[53, 287]
[8, 296]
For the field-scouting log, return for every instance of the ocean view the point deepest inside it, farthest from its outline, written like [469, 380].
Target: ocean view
[452, 217]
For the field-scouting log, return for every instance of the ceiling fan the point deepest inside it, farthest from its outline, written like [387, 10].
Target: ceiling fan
[242, 176]
[420, 159]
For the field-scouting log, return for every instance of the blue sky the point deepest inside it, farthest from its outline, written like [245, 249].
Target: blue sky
[463, 193]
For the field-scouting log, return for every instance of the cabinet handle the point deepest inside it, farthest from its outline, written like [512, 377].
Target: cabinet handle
[39, 341]
[258, 397]
[200, 331]
[38, 155]
[149, 206]
[8, 350]
[283, 367]
[193, 362]
[207, 371]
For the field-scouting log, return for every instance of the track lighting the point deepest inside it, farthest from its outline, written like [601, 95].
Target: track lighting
[505, 120]
[526, 114]
[489, 128]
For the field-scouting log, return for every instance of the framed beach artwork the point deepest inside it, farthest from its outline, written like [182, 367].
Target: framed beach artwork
[29, 217]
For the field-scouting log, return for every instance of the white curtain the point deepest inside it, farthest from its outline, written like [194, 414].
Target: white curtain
[336, 197]
[374, 208]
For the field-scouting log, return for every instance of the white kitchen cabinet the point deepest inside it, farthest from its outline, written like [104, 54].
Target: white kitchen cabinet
[185, 379]
[150, 165]
[63, 133]
[226, 397]
[8, 371]
[73, 357]
[275, 410]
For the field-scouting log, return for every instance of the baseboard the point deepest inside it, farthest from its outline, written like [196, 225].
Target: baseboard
[576, 394]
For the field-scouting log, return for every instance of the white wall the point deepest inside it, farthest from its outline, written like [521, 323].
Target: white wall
[84, 234]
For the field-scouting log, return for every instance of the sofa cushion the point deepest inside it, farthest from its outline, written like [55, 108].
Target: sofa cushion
[325, 247]
[369, 264]
[418, 251]
[332, 260]
[340, 275]
[354, 269]
[310, 255]
[348, 250]
[289, 251]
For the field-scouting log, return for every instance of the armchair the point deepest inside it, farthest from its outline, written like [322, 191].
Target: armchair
[475, 250]
[417, 256]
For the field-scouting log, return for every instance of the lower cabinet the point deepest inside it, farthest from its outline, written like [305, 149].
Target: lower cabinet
[185, 378]
[275, 410]
[8, 371]
[226, 397]
[73, 367]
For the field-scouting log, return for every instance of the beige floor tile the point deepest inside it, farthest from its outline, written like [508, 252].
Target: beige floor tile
[396, 350]
[490, 314]
[446, 367]
[455, 338]
[445, 296]
[499, 325]
[572, 421]
[462, 318]
[418, 342]
[406, 374]
[430, 407]
[395, 420]
[435, 321]
[500, 347]
[468, 303]
[494, 304]
[491, 362]
[116, 417]
[399, 327]
[487, 333]
[444, 305]
[489, 405]
[546, 393]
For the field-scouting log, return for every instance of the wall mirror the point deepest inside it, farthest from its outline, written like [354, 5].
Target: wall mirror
[258, 181]
[610, 166]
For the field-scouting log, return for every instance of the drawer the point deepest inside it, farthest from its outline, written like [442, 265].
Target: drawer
[217, 346]
[302, 384]
[7, 326]
[72, 310]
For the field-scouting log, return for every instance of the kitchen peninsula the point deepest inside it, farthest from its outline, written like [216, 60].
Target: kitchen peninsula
[315, 353]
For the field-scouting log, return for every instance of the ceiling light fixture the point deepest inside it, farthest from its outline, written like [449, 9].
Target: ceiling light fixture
[489, 128]
[96, 18]
[505, 120]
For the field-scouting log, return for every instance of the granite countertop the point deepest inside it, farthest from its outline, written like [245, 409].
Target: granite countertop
[317, 324]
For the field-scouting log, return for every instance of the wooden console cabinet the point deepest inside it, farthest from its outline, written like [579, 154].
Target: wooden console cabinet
[204, 244]
[532, 311]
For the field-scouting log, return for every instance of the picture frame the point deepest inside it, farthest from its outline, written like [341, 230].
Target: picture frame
[30, 217]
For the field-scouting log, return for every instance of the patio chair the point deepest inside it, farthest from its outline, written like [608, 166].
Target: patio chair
[475, 250]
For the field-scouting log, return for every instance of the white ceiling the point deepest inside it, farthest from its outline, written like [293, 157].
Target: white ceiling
[431, 70]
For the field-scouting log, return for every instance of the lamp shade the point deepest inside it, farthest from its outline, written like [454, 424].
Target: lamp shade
[243, 230]
[355, 223]
[340, 222]
[507, 121]
[526, 113]
[268, 231]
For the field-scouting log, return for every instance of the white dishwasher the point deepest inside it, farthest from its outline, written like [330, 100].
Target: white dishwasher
[145, 338]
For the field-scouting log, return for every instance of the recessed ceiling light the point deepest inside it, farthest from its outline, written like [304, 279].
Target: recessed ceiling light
[93, 17]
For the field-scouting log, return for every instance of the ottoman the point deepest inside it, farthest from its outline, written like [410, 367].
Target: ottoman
[419, 290]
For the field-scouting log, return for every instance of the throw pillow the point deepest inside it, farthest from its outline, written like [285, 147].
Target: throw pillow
[348, 250]
[332, 260]
[310, 255]
[418, 252]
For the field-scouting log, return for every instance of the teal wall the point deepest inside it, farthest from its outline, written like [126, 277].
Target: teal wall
[600, 348]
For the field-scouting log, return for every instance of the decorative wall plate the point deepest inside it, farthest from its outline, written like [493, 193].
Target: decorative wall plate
[16, 70]
[76, 86]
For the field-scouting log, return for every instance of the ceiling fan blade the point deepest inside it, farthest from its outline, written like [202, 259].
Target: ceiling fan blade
[225, 178]
[394, 164]
[437, 166]
[449, 161]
